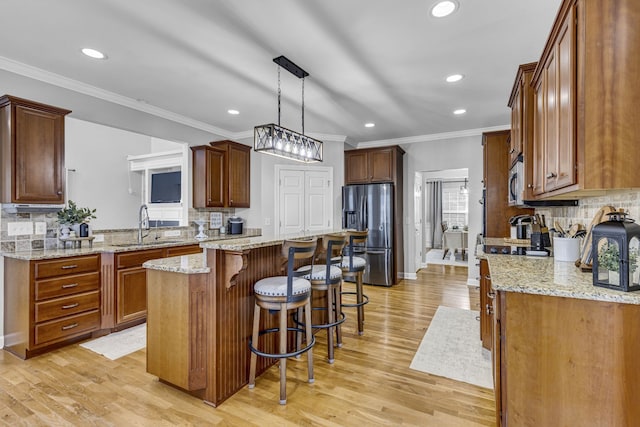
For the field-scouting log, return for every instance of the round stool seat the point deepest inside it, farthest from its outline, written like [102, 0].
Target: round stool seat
[358, 263]
[319, 272]
[277, 286]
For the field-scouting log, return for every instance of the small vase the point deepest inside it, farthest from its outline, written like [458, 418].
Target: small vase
[65, 229]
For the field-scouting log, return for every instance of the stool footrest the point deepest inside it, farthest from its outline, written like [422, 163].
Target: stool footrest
[281, 355]
[340, 321]
[365, 300]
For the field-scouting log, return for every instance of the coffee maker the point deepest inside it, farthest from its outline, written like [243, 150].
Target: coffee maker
[520, 226]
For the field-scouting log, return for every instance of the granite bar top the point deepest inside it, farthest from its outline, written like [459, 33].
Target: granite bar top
[185, 264]
[545, 276]
[263, 241]
[39, 254]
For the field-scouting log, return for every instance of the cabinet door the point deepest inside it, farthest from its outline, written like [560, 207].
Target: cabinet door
[515, 148]
[381, 165]
[565, 104]
[486, 310]
[356, 167]
[216, 179]
[39, 156]
[239, 172]
[496, 357]
[539, 137]
[131, 295]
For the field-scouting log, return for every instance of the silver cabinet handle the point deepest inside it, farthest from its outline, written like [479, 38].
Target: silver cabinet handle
[69, 267]
[68, 306]
[71, 326]
[551, 175]
[69, 285]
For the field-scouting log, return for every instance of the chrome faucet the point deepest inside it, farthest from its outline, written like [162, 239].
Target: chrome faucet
[143, 221]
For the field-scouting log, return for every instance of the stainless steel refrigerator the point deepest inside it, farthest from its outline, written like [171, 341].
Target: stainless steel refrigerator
[370, 207]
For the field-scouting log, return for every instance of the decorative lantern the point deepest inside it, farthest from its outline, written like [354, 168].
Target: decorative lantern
[615, 248]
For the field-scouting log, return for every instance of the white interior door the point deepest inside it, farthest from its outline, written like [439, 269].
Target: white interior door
[417, 218]
[305, 200]
[292, 201]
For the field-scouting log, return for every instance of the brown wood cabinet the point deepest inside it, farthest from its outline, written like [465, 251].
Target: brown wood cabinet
[221, 175]
[50, 303]
[124, 284]
[486, 306]
[32, 151]
[521, 103]
[372, 165]
[496, 173]
[381, 165]
[176, 328]
[567, 361]
[586, 89]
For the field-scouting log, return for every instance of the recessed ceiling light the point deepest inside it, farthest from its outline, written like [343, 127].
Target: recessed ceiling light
[369, 125]
[460, 111]
[92, 53]
[454, 78]
[233, 112]
[443, 8]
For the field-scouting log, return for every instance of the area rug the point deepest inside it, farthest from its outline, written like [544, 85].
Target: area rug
[451, 348]
[118, 344]
[434, 256]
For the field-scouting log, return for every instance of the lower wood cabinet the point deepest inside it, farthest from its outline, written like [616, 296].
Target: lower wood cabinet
[124, 301]
[50, 303]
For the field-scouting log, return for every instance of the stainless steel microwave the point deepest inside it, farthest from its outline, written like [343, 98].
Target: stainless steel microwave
[516, 184]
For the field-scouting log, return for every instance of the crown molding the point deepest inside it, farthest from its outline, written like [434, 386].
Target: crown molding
[86, 89]
[432, 137]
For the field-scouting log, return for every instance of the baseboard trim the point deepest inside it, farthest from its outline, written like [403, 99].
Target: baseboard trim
[473, 282]
[409, 276]
[1, 341]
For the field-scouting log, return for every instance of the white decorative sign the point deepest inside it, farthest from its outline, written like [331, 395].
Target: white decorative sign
[215, 220]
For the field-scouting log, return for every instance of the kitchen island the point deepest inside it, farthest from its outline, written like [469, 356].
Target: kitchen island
[205, 304]
[565, 351]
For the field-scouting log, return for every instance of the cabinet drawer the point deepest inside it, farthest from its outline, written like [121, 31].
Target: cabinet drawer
[184, 250]
[66, 306]
[136, 259]
[68, 327]
[64, 266]
[68, 285]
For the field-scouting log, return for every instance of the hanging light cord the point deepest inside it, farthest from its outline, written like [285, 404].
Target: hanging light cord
[303, 105]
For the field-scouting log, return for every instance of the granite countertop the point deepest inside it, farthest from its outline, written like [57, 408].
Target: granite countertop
[185, 264]
[544, 276]
[39, 254]
[246, 243]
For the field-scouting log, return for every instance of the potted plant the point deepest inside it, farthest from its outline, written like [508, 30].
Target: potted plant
[609, 263]
[72, 216]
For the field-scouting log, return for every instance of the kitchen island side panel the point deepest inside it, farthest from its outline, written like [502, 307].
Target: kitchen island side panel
[231, 282]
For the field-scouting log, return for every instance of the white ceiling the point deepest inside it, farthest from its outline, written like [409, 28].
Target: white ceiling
[174, 68]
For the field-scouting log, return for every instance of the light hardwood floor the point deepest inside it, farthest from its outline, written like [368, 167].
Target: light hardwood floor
[370, 382]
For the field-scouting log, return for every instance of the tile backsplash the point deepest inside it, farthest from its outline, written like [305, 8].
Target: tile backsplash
[31, 231]
[629, 200]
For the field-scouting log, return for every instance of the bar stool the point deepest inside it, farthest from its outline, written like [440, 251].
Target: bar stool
[327, 278]
[281, 294]
[353, 267]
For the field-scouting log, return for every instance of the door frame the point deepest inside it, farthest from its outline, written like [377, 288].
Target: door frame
[277, 171]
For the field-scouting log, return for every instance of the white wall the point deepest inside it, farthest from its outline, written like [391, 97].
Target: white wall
[101, 180]
[454, 153]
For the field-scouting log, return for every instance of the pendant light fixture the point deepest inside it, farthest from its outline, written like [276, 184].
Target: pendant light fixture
[282, 142]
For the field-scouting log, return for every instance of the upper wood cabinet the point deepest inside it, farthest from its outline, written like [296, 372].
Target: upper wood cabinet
[372, 165]
[32, 151]
[221, 175]
[521, 103]
[586, 89]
